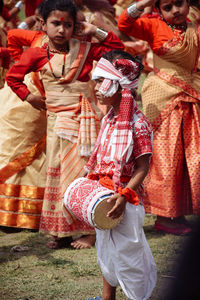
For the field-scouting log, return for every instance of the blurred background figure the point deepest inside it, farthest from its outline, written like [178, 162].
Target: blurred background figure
[22, 142]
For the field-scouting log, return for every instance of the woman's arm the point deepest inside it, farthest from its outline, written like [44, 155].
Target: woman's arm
[17, 39]
[130, 23]
[9, 14]
[107, 40]
[31, 60]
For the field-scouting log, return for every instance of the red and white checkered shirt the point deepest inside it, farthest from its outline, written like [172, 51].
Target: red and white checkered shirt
[107, 157]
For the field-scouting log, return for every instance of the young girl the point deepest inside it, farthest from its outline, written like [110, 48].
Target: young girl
[120, 162]
[170, 98]
[64, 64]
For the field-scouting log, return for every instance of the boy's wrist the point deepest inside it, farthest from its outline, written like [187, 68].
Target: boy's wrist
[129, 194]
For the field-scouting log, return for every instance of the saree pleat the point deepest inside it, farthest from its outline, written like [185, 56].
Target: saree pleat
[64, 165]
[22, 157]
[22, 161]
[172, 185]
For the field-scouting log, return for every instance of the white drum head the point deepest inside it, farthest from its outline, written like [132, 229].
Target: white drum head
[99, 214]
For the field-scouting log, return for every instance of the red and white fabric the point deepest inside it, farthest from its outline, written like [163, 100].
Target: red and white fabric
[123, 72]
[81, 196]
[125, 137]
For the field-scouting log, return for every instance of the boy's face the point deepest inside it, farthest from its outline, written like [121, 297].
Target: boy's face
[174, 11]
[114, 100]
[59, 28]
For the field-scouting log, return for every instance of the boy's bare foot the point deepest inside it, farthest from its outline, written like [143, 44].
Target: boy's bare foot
[84, 242]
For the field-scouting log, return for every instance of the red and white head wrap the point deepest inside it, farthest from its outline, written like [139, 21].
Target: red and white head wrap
[123, 72]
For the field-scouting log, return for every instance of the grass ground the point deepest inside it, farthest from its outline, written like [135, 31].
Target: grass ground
[68, 274]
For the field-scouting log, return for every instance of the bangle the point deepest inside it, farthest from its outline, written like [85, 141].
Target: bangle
[19, 5]
[131, 195]
[133, 11]
[23, 25]
[100, 34]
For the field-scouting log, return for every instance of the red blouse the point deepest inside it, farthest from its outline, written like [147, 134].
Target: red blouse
[33, 59]
[19, 38]
[4, 54]
[149, 28]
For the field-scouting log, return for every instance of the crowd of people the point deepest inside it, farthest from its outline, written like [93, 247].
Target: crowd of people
[69, 73]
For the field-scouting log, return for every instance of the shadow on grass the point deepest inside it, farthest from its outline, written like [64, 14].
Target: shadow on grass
[36, 246]
[151, 233]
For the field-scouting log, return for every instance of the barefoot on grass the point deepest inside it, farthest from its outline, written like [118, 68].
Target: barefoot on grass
[84, 242]
[58, 243]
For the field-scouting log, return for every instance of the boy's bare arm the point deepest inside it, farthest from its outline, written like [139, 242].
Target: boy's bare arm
[141, 170]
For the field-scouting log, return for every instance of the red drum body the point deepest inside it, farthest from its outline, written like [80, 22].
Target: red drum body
[86, 199]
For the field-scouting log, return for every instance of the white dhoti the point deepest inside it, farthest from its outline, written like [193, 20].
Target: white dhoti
[124, 255]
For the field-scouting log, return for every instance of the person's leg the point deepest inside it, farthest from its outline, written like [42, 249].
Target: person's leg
[86, 241]
[109, 292]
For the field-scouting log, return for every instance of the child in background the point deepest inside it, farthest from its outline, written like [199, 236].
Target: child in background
[64, 64]
[120, 161]
[33, 22]
[170, 98]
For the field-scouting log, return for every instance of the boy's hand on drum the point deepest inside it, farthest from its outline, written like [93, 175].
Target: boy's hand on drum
[37, 102]
[119, 206]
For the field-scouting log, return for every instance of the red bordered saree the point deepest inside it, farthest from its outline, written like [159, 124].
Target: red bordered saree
[171, 101]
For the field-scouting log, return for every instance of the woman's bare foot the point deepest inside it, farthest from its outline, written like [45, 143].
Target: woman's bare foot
[84, 242]
[172, 222]
[177, 226]
[58, 243]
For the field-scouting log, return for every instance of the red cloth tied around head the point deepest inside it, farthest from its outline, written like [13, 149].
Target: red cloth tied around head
[128, 68]
[131, 195]
[123, 72]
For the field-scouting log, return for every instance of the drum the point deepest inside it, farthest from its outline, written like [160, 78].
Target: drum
[86, 200]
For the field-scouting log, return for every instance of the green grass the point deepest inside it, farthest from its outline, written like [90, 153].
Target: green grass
[67, 274]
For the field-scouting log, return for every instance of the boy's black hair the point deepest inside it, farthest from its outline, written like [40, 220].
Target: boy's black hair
[62, 5]
[117, 54]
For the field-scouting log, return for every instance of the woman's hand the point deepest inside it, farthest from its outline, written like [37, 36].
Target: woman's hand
[85, 29]
[145, 3]
[119, 206]
[37, 102]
